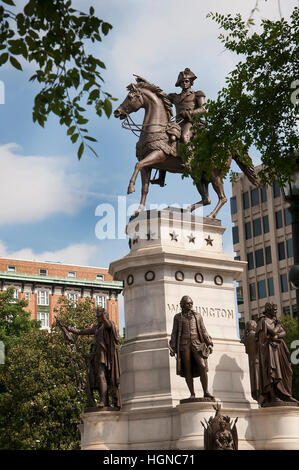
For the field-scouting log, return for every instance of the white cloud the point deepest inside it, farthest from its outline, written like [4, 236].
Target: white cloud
[77, 253]
[158, 39]
[35, 187]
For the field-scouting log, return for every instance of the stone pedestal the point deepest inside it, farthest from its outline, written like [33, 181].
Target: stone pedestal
[174, 254]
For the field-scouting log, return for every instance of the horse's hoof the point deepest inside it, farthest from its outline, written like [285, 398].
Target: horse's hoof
[131, 189]
[206, 202]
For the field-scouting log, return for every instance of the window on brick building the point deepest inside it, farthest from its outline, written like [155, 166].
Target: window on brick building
[43, 317]
[248, 234]
[268, 254]
[276, 189]
[235, 231]
[233, 205]
[286, 310]
[290, 252]
[255, 199]
[287, 216]
[73, 297]
[245, 200]
[100, 301]
[71, 274]
[261, 289]
[259, 258]
[295, 310]
[240, 299]
[15, 294]
[27, 295]
[257, 227]
[278, 219]
[281, 251]
[266, 224]
[42, 297]
[11, 269]
[43, 272]
[100, 277]
[284, 285]
[263, 194]
[250, 261]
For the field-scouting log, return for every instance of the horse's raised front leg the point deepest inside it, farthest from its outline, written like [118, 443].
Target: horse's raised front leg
[156, 156]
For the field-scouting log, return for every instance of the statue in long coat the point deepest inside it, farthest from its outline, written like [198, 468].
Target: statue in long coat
[275, 371]
[104, 364]
[192, 346]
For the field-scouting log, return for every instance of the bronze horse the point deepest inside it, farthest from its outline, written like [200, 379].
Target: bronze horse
[157, 146]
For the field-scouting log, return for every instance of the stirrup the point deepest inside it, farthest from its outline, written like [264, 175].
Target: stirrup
[160, 181]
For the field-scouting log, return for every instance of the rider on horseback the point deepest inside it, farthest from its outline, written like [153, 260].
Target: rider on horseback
[188, 103]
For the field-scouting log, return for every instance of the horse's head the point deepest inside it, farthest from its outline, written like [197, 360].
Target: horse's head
[132, 103]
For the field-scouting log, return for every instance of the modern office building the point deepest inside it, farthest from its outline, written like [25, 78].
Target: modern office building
[42, 283]
[262, 236]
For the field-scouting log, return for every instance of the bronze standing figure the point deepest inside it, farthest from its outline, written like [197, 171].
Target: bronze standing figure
[275, 371]
[104, 366]
[192, 346]
[251, 348]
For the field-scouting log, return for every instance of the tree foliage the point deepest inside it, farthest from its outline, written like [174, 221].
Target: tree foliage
[44, 377]
[259, 105]
[52, 35]
[14, 319]
[292, 334]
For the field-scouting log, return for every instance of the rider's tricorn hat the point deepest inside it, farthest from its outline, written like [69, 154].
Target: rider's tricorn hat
[187, 73]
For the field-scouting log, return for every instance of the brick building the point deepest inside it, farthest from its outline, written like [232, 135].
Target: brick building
[42, 283]
[262, 236]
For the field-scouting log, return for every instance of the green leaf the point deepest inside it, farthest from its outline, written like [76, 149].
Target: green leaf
[80, 150]
[71, 130]
[3, 58]
[107, 107]
[93, 151]
[15, 63]
[92, 139]
[74, 138]
[105, 28]
[9, 2]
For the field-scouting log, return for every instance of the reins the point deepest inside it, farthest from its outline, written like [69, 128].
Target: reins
[130, 125]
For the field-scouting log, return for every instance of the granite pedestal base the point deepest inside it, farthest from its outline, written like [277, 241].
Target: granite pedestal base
[180, 428]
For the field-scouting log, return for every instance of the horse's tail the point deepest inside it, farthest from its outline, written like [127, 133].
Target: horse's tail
[248, 168]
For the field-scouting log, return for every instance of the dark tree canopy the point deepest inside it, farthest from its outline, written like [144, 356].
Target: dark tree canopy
[44, 380]
[52, 35]
[259, 105]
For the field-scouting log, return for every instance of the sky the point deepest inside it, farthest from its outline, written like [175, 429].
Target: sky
[50, 202]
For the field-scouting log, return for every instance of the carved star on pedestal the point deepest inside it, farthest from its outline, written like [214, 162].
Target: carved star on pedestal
[191, 238]
[174, 236]
[209, 241]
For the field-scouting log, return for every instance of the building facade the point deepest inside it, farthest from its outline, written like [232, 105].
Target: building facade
[41, 284]
[262, 236]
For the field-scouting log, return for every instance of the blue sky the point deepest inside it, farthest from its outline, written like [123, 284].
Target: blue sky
[48, 198]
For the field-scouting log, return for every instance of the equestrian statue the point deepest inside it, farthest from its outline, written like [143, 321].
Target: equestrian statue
[157, 147]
